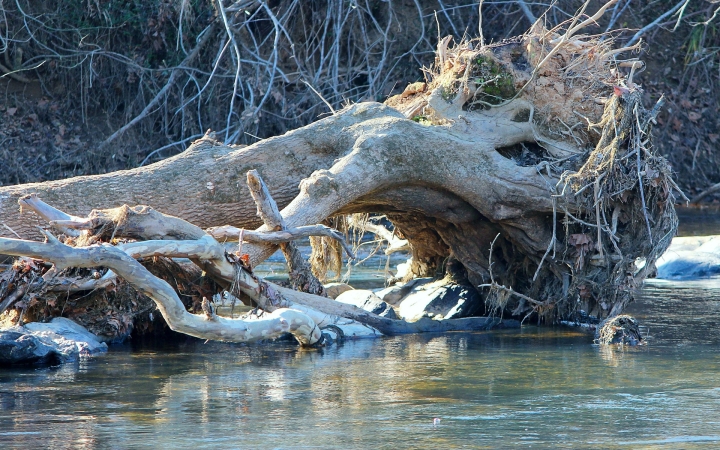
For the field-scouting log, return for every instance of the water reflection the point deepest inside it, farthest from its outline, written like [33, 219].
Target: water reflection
[534, 387]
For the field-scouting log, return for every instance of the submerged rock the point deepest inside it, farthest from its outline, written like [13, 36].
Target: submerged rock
[56, 342]
[368, 301]
[689, 258]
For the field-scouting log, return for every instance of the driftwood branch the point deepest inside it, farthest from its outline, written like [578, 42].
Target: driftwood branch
[300, 273]
[395, 244]
[49, 213]
[55, 283]
[324, 311]
[230, 233]
[211, 255]
[138, 222]
[217, 328]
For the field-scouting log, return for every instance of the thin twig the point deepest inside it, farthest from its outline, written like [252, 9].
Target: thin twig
[655, 22]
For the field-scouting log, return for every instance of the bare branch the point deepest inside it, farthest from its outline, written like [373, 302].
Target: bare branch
[166, 299]
[230, 233]
[300, 272]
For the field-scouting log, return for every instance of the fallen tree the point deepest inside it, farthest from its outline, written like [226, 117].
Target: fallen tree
[529, 162]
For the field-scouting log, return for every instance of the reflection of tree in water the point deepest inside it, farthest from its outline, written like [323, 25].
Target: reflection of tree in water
[196, 392]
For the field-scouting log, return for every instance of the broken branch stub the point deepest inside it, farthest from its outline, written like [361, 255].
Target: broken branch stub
[300, 273]
[230, 233]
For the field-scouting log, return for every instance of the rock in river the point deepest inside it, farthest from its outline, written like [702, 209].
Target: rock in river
[440, 298]
[368, 301]
[689, 258]
[58, 341]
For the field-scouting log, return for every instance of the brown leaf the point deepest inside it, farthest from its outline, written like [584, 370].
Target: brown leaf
[11, 111]
[579, 239]
[686, 104]
[693, 116]
[713, 138]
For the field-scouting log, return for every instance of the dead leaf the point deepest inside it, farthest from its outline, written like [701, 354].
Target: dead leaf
[245, 258]
[11, 111]
[620, 90]
[583, 245]
[579, 240]
[693, 116]
[713, 138]
[584, 291]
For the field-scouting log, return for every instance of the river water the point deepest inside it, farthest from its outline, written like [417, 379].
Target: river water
[527, 388]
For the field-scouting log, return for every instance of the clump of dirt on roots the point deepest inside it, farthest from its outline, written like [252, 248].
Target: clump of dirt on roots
[565, 81]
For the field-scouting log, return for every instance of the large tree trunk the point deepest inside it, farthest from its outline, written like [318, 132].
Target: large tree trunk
[519, 160]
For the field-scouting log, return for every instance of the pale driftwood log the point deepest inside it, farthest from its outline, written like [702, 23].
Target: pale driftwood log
[139, 222]
[48, 213]
[269, 296]
[301, 275]
[211, 257]
[231, 233]
[204, 251]
[213, 327]
[373, 138]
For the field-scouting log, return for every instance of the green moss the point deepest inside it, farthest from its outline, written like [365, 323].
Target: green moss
[448, 93]
[494, 82]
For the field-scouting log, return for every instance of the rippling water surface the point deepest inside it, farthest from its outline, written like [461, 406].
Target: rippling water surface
[535, 387]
